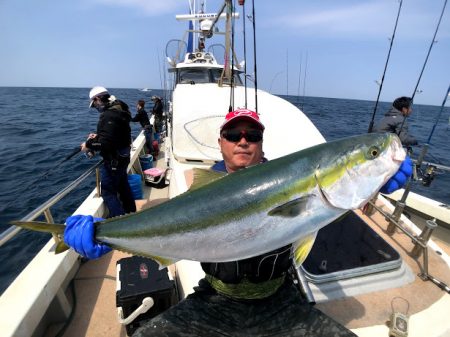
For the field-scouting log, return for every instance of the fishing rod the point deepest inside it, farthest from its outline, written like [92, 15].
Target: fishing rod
[429, 172]
[230, 11]
[427, 175]
[385, 68]
[433, 40]
[46, 173]
[242, 3]
[439, 115]
[73, 153]
[254, 55]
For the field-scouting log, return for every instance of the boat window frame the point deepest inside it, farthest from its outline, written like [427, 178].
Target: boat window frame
[213, 75]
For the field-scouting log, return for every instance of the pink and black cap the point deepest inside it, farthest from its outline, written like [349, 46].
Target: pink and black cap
[242, 114]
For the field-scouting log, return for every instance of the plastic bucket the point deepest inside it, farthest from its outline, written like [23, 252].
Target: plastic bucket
[146, 161]
[136, 185]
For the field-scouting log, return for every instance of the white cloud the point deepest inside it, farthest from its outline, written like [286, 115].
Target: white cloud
[368, 20]
[148, 7]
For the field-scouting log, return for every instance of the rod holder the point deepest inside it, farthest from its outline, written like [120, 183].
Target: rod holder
[424, 237]
[400, 206]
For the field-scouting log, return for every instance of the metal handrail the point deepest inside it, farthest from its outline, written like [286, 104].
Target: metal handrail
[13, 230]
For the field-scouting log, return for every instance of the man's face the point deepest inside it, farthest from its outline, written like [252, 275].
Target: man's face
[407, 111]
[244, 152]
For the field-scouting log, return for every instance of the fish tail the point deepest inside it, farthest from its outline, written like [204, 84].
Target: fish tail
[41, 226]
[57, 230]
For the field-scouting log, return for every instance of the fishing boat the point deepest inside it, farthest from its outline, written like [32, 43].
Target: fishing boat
[373, 272]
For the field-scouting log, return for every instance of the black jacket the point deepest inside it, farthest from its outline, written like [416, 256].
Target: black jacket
[158, 109]
[392, 122]
[113, 130]
[141, 117]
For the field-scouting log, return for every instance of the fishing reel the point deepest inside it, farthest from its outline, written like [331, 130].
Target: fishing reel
[427, 175]
[90, 154]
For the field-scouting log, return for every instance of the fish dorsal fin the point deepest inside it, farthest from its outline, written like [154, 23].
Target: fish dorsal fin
[203, 177]
[302, 248]
[292, 208]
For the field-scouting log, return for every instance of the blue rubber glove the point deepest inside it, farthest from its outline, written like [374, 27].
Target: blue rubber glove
[79, 234]
[399, 179]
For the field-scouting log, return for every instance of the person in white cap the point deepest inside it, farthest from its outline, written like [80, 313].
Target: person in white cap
[113, 141]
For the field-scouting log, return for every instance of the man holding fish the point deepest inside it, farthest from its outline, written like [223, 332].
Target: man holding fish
[251, 293]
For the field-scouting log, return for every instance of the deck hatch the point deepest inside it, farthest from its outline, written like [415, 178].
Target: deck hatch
[347, 248]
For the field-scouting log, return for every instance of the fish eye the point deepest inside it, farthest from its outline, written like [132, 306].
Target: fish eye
[373, 152]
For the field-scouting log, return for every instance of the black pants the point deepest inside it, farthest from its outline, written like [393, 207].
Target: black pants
[206, 313]
[116, 191]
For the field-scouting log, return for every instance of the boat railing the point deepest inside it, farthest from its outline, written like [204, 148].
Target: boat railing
[420, 241]
[45, 207]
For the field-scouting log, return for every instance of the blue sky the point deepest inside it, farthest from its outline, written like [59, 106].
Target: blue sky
[343, 45]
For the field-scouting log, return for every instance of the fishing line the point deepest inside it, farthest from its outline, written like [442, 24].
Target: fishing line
[425, 62]
[304, 81]
[299, 80]
[385, 68]
[242, 3]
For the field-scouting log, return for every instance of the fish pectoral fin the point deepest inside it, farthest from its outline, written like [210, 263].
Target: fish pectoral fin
[292, 208]
[302, 248]
[163, 261]
[203, 177]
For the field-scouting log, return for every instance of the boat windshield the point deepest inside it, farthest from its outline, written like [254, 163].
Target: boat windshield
[203, 75]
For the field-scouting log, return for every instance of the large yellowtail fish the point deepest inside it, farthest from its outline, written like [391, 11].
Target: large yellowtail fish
[257, 209]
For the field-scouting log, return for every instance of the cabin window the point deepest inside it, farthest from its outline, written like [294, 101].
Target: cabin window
[193, 76]
[216, 73]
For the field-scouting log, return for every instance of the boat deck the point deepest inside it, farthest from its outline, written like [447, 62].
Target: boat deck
[95, 286]
[375, 308]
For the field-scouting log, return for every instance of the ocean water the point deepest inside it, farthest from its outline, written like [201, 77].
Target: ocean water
[41, 126]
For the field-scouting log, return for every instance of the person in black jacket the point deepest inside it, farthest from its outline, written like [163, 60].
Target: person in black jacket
[113, 141]
[394, 121]
[142, 118]
[157, 112]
